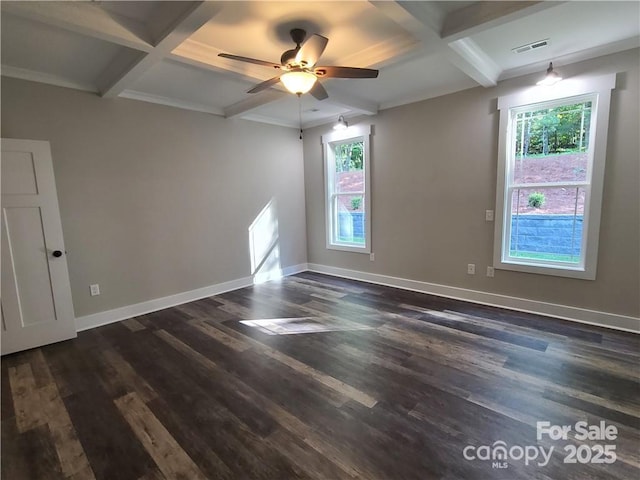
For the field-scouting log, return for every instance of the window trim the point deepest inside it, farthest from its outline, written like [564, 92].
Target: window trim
[574, 88]
[352, 133]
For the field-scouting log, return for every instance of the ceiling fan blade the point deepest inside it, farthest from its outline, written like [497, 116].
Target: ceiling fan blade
[249, 60]
[311, 50]
[318, 91]
[264, 85]
[345, 72]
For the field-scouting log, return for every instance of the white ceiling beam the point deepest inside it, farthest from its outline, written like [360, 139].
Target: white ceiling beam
[114, 76]
[440, 33]
[114, 82]
[48, 78]
[421, 19]
[480, 16]
[424, 20]
[473, 61]
[171, 102]
[163, 18]
[253, 101]
[272, 121]
[346, 100]
[460, 25]
[421, 15]
[86, 19]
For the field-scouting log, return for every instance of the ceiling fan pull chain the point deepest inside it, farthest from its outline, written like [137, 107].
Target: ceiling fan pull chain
[300, 113]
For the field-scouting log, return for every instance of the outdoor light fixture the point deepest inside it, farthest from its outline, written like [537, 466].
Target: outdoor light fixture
[298, 82]
[342, 124]
[551, 78]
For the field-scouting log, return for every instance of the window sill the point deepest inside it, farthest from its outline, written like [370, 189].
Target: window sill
[578, 272]
[349, 248]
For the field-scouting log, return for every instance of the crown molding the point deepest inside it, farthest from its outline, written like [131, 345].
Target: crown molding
[203, 55]
[171, 102]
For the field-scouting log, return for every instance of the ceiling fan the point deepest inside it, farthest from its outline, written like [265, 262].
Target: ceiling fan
[299, 73]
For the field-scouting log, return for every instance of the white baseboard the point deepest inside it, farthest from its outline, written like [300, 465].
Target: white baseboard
[581, 315]
[117, 314]
[575, 314]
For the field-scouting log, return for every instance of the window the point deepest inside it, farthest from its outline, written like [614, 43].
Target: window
[348, 203]
[550, 174]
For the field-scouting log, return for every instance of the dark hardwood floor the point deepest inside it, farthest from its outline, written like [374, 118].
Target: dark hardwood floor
[384, 384]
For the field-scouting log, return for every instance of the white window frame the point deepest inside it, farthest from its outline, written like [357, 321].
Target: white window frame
[351, 134]
[596, 89]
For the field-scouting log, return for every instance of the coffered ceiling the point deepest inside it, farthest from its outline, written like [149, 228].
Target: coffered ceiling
[167, 52]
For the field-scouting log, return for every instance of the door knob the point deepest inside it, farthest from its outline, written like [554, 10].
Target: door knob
[57, 253]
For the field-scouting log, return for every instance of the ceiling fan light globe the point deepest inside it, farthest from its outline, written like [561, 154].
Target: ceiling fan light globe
[298, 82]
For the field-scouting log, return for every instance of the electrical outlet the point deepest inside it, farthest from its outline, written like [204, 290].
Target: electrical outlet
[95, 289]
[488, 215]
[372, 257]
[471, 269]
[490, 272]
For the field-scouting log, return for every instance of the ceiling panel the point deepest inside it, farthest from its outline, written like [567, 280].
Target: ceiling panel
[260, 29]
[409, 81]
[50, 50]
[449, 6]
[286, 111]
[140, 11]
[570, 26]
[190, 84]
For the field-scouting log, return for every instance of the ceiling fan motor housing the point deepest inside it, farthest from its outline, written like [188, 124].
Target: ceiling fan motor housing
[298, 35]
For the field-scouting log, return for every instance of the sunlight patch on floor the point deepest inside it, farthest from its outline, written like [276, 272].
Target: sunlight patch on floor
[295, 326]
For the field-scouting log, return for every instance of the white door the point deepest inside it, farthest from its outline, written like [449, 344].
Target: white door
[36, 294]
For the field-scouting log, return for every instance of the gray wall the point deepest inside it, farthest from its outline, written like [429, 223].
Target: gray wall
[434, 175]
[155, 200]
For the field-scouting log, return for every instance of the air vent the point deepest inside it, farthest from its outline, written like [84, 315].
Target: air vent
[531, 46]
